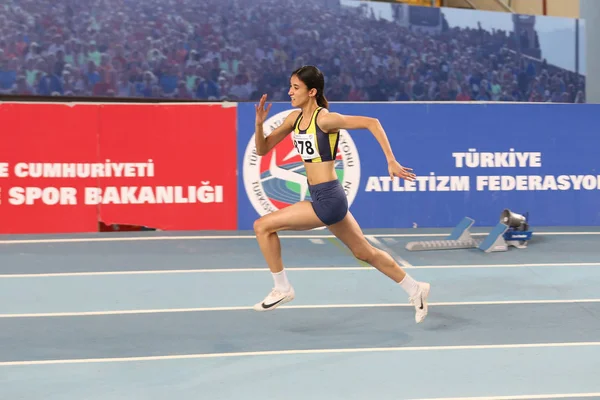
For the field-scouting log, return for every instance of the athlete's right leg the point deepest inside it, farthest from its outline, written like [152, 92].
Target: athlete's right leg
[297, 217]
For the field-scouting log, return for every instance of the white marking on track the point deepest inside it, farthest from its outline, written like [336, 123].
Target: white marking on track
[521, 397]
[252, 237]
[295, 352]
[291, 307]
[295, 269]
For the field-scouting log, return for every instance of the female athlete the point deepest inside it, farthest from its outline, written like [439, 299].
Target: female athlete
[315, 134]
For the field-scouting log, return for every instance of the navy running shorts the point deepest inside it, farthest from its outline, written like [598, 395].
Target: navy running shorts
[329, 201]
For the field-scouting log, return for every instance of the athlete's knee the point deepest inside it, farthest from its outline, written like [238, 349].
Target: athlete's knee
[262, 226]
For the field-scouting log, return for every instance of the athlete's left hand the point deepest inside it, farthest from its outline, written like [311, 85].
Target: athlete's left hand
[395, 169]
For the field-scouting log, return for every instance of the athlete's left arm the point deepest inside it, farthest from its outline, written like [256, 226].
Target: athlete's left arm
[335, 121]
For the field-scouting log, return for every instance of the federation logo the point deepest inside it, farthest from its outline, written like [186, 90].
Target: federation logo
[278, 179]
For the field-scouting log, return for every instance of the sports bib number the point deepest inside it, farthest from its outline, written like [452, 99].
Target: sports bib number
[305, 146]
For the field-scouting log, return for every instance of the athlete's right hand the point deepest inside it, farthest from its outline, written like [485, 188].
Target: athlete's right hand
[261, 111]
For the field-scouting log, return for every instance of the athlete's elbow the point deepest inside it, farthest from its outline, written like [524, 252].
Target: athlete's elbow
[262, 151]
[374, 124]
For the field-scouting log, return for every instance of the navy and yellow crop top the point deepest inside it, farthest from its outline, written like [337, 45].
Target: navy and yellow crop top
[313, 144]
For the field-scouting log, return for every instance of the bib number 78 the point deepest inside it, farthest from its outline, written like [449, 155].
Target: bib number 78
[304, 147]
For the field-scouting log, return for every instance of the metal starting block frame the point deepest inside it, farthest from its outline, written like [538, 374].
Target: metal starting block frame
[460, 238]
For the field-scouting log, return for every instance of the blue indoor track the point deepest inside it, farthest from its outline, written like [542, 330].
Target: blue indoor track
[169, 316]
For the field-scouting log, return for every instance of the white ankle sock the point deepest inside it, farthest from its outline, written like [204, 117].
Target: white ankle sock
[281, 281]
[409, 285]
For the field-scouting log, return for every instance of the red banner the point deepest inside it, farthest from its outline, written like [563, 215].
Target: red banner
[66, 168]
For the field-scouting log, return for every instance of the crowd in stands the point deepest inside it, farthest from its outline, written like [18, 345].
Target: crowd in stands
[237, 49]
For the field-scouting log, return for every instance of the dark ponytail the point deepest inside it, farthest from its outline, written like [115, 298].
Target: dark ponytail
[322, 101]
[313, 79]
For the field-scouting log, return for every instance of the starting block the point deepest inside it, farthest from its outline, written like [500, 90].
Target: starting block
[459, 238]
[513, 230]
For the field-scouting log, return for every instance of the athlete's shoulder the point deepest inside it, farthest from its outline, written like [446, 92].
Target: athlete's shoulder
[336, 121]
[324, 119]
[322, 113]
[294, 114]
[290, 120]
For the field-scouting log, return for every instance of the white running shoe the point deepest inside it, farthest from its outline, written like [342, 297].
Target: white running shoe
[420, 301]
[275, 299]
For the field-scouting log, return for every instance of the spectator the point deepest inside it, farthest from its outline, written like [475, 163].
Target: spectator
[8, 74]
[194, 50]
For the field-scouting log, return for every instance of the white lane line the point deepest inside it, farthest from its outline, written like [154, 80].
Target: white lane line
[294, 352]
[235, 237]
[392, 253]
[295, 269]
[292, 307]
[317, 241]
[521, 397]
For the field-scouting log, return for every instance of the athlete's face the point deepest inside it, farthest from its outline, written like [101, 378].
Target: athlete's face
[299, 92]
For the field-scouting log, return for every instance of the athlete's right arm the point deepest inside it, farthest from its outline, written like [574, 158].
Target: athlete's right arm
[264, 145]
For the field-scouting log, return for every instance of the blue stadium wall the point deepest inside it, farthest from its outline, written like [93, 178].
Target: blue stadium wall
[471, 159]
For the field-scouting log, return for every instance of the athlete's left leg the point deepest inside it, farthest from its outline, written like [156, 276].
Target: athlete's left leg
[349, 232]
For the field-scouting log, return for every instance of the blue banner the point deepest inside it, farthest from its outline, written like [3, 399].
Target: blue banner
[470, 159]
